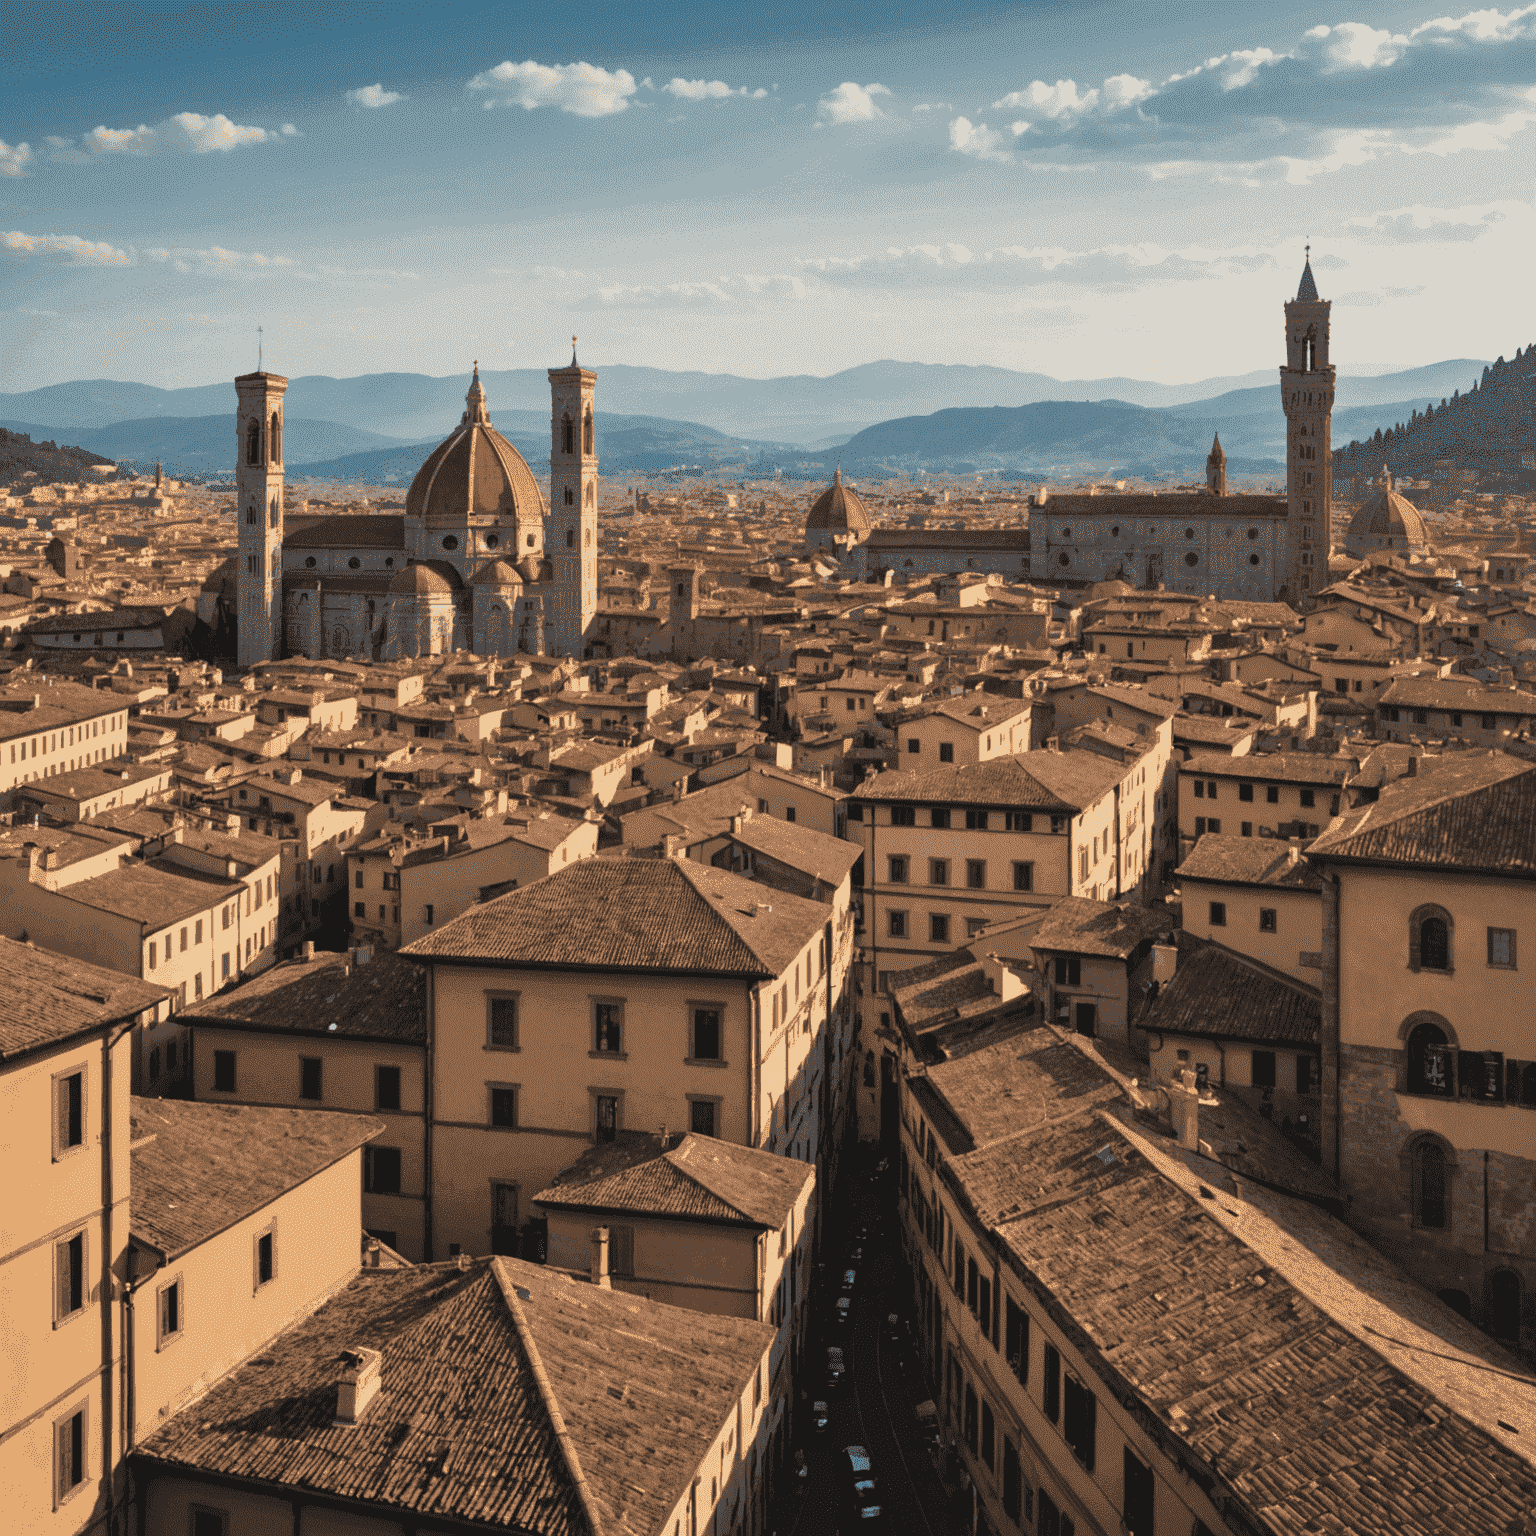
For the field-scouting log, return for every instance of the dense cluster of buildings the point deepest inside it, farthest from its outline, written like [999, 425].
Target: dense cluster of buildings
[436, 1041]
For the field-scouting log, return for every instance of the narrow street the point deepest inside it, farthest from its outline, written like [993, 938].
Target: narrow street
[875, 1404]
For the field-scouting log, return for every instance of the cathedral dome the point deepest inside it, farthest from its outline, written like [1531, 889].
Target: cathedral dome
[418, 578]
[1387, 516]
[838, 509]
[496, 573]
[474, 470]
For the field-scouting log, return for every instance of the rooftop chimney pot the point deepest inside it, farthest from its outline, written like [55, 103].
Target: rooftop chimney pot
[360, 1383]
[600, 1259]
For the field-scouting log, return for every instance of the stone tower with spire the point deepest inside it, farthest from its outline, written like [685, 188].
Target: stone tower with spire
[1306, 393]
[571, 544]
[259, 508]
[1216, 468]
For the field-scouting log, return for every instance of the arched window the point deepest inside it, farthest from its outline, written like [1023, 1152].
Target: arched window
[253, 442]
[591, 493]
[570, 537]
[250, 515]
[1504, 1304]
[1430, 1057]
[275, 438]
[273, 512]
[567, 435]
[1431, 1186]
[570, 499]
[586, 433]
[1430, 930]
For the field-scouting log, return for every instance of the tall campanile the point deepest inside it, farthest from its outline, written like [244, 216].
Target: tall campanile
[259, 508]
[571, 544]
[1306, 392]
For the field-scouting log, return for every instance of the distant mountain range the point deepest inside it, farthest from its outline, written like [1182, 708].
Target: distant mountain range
[378, 427]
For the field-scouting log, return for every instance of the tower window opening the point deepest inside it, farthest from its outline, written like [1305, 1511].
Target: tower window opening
[253, 442]
[250, 515]
[272, 512]
[568, 435]
[570, 537]
[586, 433]
[275, 438]
[570, 500]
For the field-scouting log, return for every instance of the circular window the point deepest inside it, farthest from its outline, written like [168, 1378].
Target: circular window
[450, 542]
[1253, 559]
[1066, 533]
[1189, 533]
[492, 540]
[353, 563]
[1253, 533]
[309, 563]
[1064, 558]
[1191, 558]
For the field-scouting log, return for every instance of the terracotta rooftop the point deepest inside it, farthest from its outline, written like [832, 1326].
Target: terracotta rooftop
[1217, 993]
[1077, 925]
[51, 998]
[1059, 781]
[1248, 861]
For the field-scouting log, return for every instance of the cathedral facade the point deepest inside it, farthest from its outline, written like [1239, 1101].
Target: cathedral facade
[476, 562]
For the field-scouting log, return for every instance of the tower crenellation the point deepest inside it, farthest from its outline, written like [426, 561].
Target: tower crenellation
[571, 543]
[259, 508]
[1306, 394]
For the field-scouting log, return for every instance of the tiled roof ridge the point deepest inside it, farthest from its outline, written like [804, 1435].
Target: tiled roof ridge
[1269, 972]
[672, 1160]
[1381, 822]
[546, 1391]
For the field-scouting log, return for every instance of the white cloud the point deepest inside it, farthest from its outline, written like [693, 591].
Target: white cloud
[709, 90]
[1063, 101]
[69, 249]
[290, 132]
[584, 90]
[851, 103]
[14, 158]
[736, 291]
[372, 96]
[978, 141]
[215, 261]
[185, 133]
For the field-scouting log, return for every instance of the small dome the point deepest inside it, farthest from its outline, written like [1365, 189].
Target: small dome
[496, 573]
[420, 578]
[474, 470]
[839, 509]
[1386, 515]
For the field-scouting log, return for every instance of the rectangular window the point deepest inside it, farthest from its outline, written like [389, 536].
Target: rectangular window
[170, 1318]
[310, 1069]
[938, 871]
[1016, 1337]
[1080, 1421]
[151, 954]
[69, 1113]
[183, 940]
[702, 1117]
[1218, 914]
[224, 1071]
[1245, 792]
[381, 1170]
[386, 1087]
[898, 868]
[1138, 1506]
[1210, 789]
[1213, 824]
[501, 1023]
[706, 1034]
[939, 817]
[608, 1027]
[972, 1275]
[1050, 1385]
[1269, 920]
[359, 909]
[1023, 876]
[976, 821]
[938, 928]
[606, 1112]
[266, 1258]
[1309, 797]
[1272, 794]
[976, 874]
[988, 1434]
[1489, 722]
[1069, 970]
[896, 924]
[504, 1219]
[504, 1107]
[1013, 1481]
[1263, 1069]
[70, 1290]
[903, 816]
[984, 1306]
[70, 1441]
[1199, 826]
[621, 1251]
[1018, 821]
[1501, 948]
[970, 1420]
[946, 751]
[1247, 829]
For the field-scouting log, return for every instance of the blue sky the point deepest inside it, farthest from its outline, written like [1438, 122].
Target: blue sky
[1083, 188]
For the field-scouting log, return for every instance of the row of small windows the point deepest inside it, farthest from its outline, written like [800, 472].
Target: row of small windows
[1151, 533]
[253, 444]
[899, 868]
[568, 434]
[253, 517]
[942, 816]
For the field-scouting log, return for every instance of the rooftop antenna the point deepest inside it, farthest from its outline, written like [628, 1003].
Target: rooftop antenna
[258, 349]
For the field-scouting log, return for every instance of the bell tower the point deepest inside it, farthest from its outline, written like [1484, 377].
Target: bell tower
[259, 511]
[571, 545]
[1306, 392]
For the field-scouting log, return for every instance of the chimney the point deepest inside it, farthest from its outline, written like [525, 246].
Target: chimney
[1184, 1107]
[372, 1261]
[1412, 770]
[309, 950]
[741, 818]
[600, 1259]
[1053, 743]
[50, 859]
[672, 846]
[662, 1136]
[679, 788]
[1293, 853]
[1165, 961]
[360, 1383]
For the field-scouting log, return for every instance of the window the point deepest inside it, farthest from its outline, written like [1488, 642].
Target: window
[1016, 1337]
[970, 1420]
[309, 1077]
[898, 868]
[608, 1027]
[71, 1445]
[1429, 939]
[988, 1434]
[503, 1106]
[976, 821]
[501, 1022]
[1247, 829]
[1501, 948]
[170, 1318]
[1052, 1521]
[427, 914]
[1430, 1184]
[914, 745]
[1245, 792]
[1272, 794]
[1080, 1421]
[224, 1071]
[1218, 914]
[1429, 1060]
[1489, 722]
[1309, 797]
[70, 1290]
[1012, 1481]
[705, 1042]
[1069, 970]
[976, 874]
[1213, 824]
[1138, 1499]
[903, 816]
[504, 1218]
[606, 1112]
[972, 1275]
[359, 909]
[1018, 821]
[151, 954]
[154, 1063]
[1050, 1386]
[1199, 789]
[938, 871]
[1263, 1069]
[1268, 920]
[896, 924]
[69, 1113]
[381, 1170]
[1023, 876]
[938, 928]
[946, 751]
[386, 1087]
[702, 1116]
[1504, 1304]
[939, 817]
[265, 1257]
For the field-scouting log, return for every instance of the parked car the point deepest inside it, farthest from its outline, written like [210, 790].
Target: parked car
[837, 1372]
[856, 1462]
[842, 1309]
[864, 1499]
[850, 1276]
[820, 1417]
